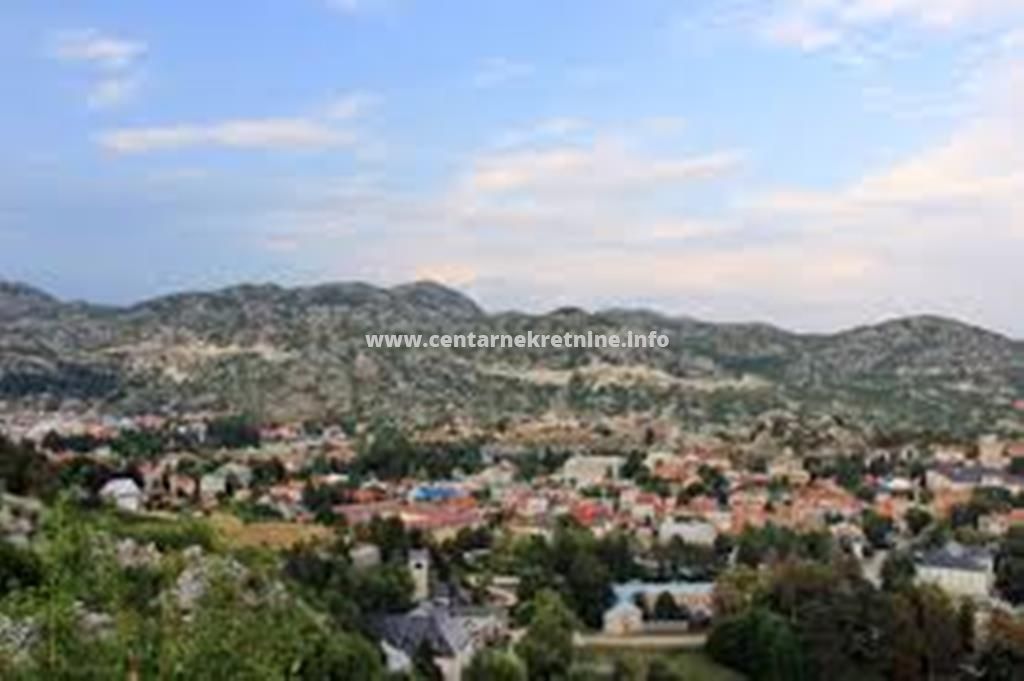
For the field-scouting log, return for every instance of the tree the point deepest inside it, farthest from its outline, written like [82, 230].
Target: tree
[917, 519]
[666, 608]
[1009, 566]
[735, 590]
[629, 667]
[941, 631]
[758, 643]
[344, 657]
[24, 471]
[423, 663]
[547, 646]
[494, 665]
[1002, 658]
[19, 569]
[590, 587]
[876, 529]
[898, 571]
[661, 669]
[232, 432]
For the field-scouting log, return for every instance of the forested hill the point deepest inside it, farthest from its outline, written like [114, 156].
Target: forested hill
[300, 352]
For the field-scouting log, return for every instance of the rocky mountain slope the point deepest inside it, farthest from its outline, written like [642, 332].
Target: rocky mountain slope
[297, 352]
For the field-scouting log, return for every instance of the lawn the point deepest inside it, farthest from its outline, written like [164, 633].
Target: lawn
[696, 666]
[693, 665]
[272, 534]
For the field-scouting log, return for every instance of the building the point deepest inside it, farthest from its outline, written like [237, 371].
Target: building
[454, 635]
[124, 493]
[364, 556]
[967, 478]
[695, 597]
[227, 479]
[962, 571]
[623, 618]
[419, 568]
[690, 531]
[587, 471]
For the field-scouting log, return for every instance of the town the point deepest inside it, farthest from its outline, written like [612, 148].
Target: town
[455, 539]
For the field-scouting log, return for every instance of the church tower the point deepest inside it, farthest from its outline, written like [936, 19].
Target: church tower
[419, 567]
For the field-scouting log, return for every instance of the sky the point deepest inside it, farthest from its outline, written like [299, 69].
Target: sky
[816, 164]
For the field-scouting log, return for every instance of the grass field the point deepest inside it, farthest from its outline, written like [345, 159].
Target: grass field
[696, 666]
[275, 534]
[693, 665]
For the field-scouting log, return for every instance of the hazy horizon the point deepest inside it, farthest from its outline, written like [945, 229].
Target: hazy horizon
[816, 166]
[539, 310]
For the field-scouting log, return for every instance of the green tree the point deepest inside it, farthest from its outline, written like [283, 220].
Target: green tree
[898, 571]
[494, 665]
[423, 664]
[666, 608]
[917, 519]
[661, 669]
[547, 646]
[876, 529]
[1002, 658]
[342, 657]
[19, 568]
[758, 643]
[1009, 566]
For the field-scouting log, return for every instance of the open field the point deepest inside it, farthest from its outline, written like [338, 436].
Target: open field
[275, 534]
[693, 665]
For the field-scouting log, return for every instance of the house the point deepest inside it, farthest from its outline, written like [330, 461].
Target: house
[124, 493]
[442, 521]
[1000, 523]
[587, 471]
[623, 618]
[225, 480]
[991, 451]
[690, 531]
[696, 598]
[500, 474]
[897, 486]
[453, 634]
[364, 556]
[432, 493]
[967, 478]
[962, 571]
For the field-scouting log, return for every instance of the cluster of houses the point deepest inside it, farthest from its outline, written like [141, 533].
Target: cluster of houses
[688, 494]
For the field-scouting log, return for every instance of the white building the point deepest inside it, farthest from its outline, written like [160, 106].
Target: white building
[419, 568]
[623, 619]
[961, 571]
[124, 493]
[586, 471]
[690, 531]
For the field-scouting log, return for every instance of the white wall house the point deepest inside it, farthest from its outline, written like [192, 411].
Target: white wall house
[961, 571]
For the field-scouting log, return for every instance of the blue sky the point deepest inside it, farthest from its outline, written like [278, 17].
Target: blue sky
[813, 163]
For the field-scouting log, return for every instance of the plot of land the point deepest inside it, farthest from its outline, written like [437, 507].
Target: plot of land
[275, 535]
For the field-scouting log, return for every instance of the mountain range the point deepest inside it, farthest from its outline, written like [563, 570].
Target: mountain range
[287, 353]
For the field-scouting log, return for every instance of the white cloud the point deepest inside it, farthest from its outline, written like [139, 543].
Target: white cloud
[600, 167]
[812, 25]
[94, 47]
[499, 70]
[541, 131]
[112, 91]
[351, 105]
[113, 62]
[266, 133]
[801, 31]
